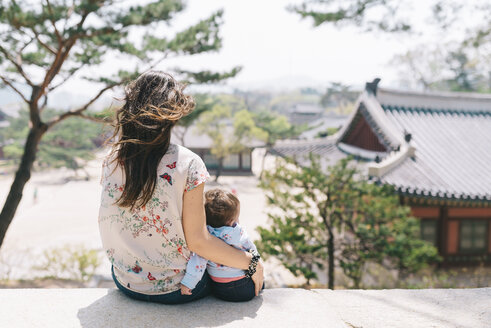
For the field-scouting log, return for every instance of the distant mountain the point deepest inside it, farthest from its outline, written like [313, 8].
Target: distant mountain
[286, 83]
[65, 100]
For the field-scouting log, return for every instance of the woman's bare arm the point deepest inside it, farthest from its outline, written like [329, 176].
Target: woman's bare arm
[208, 246]
[200, 241]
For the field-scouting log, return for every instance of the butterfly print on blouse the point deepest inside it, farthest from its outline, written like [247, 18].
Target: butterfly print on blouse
[171, 166]
[137, 268]
[167, 177]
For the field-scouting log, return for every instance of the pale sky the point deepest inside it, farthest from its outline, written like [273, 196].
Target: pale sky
[278, 49]
[273, 45]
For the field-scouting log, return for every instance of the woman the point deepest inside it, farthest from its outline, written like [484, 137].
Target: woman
[152, 216]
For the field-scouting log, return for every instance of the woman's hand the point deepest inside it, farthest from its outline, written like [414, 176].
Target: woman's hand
[258, 277]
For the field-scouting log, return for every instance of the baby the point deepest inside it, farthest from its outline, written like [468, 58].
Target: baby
[222, 219]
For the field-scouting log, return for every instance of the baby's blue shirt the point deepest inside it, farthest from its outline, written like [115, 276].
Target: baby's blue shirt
[235, 236]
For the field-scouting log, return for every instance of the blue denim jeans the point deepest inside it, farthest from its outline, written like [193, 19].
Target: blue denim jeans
[202, 289]
[235, 291]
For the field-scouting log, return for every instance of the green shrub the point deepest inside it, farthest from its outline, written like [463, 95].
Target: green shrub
[70, 262]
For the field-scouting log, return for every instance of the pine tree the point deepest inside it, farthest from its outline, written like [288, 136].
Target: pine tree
[44, 44]
[61, 145]
[275, 127]
[318, 218]
[204, 103]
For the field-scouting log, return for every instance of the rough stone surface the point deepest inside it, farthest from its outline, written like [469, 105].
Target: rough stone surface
[94, 308]
[441, 308]
[408, 308]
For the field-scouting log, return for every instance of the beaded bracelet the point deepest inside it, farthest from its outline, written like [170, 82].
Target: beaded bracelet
[252, 267]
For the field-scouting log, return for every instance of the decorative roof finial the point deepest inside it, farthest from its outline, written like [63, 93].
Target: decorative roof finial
[407, 136]
[371, 87]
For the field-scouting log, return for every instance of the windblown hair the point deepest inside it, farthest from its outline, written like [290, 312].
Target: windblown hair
[154, 102]
[221, 207]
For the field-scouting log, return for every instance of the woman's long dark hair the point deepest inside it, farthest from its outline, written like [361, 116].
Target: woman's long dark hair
[154, 102]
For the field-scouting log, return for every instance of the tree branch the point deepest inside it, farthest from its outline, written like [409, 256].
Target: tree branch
[66, 78]
[44, 45]
[166, 54]
[45, 103]
[69, 13]
[61, 55]
[7, 82]
[60, 58]
[106, 30]
[78, 112]
[17, 65]
[57, 33]
[25, 45]
[95, 119]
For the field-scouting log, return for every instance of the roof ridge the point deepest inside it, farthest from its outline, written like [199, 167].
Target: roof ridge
[445, 101]
[315, 141]
[436, 110]
[391, 161]
[438, 94]
[369, 106]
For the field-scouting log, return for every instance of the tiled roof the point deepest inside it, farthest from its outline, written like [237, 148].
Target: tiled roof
[193, 138]
[326, 148]
[322, 124]
[449, 153]
[369, 107]
[453, 153]
[465, 101]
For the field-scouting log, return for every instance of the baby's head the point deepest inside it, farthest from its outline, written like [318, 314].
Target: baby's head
[222, 208]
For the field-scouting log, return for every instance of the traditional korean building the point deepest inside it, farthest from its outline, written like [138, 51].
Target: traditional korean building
[304, 113]
[435, 149]
[201, 144]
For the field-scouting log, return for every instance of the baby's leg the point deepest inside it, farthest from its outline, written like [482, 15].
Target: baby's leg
[235, 291]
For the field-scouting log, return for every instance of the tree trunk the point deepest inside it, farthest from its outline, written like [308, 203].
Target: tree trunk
[262, 164]
[356, 282]
[182, 134]
[22, 175]
[219, 169]
[330, 251]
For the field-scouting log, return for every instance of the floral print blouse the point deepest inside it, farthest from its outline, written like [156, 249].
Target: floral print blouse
[146, 246]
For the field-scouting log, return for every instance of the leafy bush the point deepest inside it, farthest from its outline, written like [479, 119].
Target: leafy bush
[70, 262]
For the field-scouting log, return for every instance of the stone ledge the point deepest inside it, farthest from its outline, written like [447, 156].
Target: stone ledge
[274, 308]
[412, 308]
